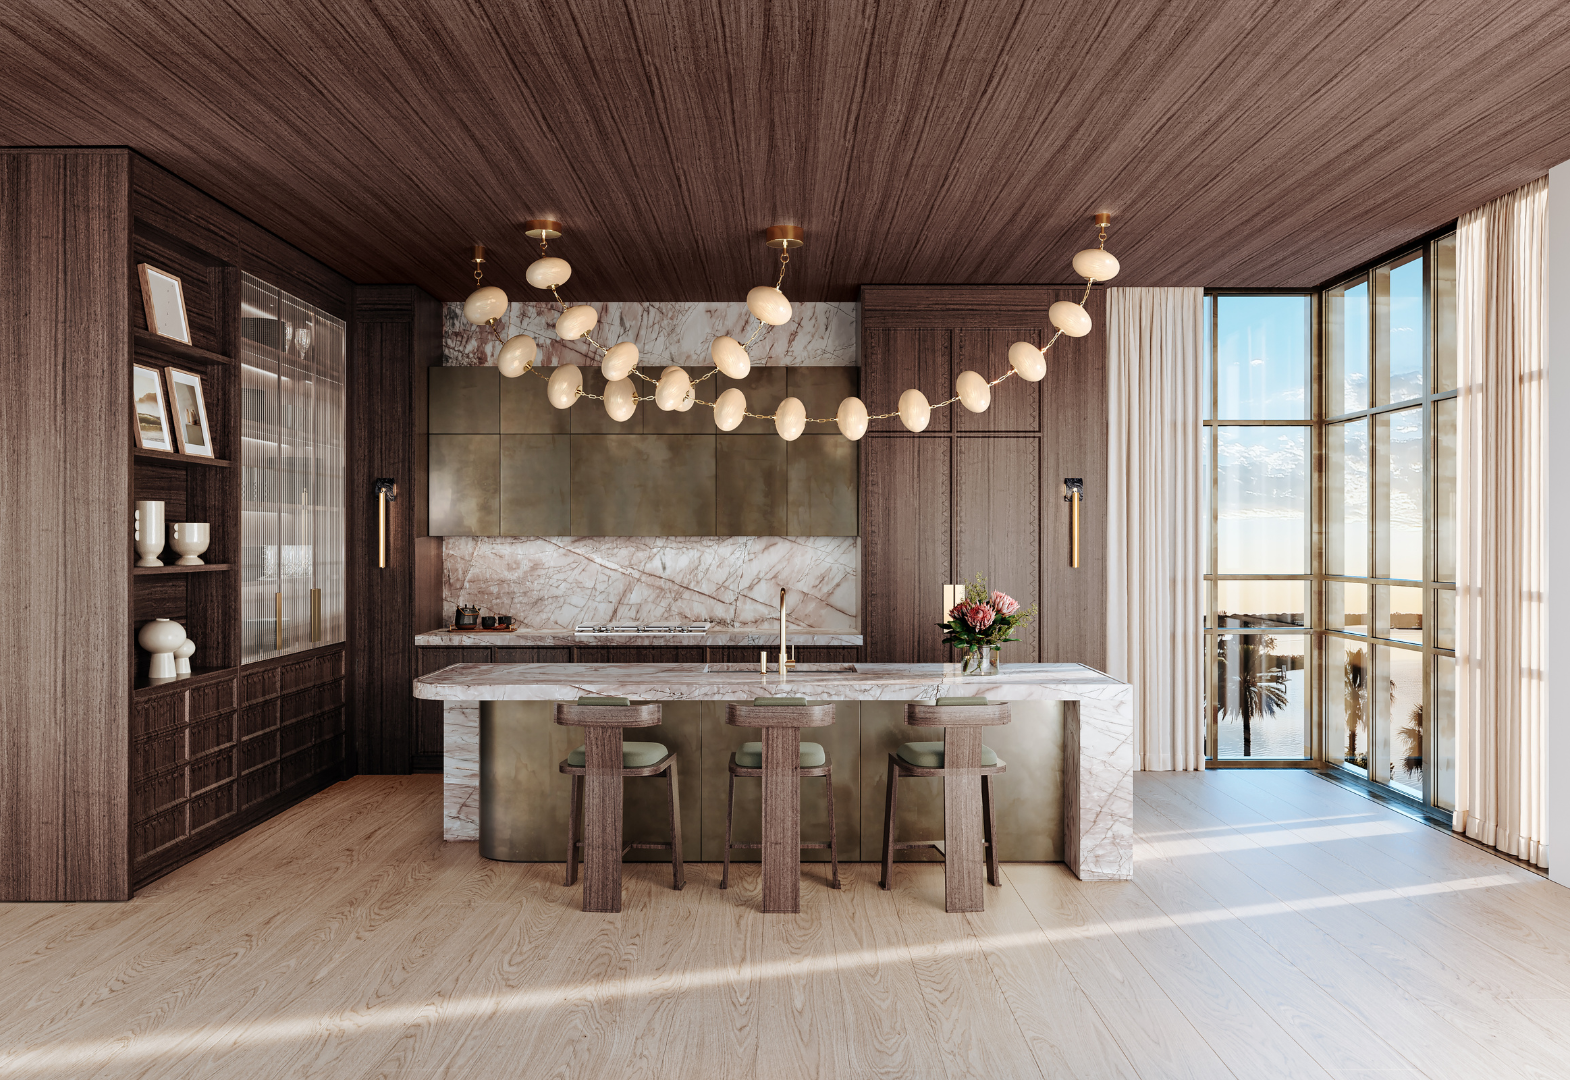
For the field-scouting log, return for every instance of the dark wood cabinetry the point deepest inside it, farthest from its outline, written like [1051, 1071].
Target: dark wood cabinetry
[396, 338]
[218, 753]
[981, 492]
[105, 779]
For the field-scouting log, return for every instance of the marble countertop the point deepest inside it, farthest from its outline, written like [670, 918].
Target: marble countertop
[741, 682]
[762, 638]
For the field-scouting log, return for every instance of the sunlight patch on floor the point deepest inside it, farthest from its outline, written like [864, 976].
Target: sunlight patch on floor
[67, 1057]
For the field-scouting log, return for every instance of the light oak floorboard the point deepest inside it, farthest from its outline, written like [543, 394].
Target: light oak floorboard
[1274, 928]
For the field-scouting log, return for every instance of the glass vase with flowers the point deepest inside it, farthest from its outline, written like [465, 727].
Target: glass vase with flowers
[982, 622]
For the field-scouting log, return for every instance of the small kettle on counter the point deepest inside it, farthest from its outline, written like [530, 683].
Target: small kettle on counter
[467, 618]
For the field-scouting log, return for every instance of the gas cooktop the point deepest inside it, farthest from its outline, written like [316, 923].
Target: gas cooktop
[653, 628]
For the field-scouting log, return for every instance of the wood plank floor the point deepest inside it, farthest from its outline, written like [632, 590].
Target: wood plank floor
[1278, 926]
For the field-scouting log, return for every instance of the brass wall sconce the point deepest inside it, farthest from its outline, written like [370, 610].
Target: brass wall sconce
[386, 491]
[1076, 492]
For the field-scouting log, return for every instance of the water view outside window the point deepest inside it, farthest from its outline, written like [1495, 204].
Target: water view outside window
[1258, 460]
[1386, 557]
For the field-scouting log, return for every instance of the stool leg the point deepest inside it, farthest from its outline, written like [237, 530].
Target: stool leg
[989, 823]
[678, 869]
[730, 812]
[574, 802]
[834, 852]
[888, 824]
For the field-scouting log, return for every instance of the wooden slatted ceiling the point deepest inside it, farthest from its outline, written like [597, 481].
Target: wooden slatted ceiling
[1238, 143]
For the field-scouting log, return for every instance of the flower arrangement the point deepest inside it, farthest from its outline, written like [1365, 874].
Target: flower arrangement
[984, 620]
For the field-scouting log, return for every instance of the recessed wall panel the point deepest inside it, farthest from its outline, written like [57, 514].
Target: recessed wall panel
[653, 485]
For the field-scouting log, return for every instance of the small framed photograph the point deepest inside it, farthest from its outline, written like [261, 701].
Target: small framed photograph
[190, 412]
[165, 303]
[147, 410]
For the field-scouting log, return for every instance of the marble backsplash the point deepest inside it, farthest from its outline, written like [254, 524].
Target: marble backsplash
[820, 335]
[556, 582]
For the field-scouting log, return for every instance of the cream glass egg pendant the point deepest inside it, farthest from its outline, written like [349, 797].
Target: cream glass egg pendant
[517, 355]
[618, 362]
[914, 410]
[974, 393]
[1070, 318]
[852, 418]
[484, 305]
[573, 323]
[730, 410]
[564, 384]
[1095, 264]
[790, 419]
[729, 356]
[1027, 361]
[548, 272]
[621, 400]
[674, 387]
[769, 305]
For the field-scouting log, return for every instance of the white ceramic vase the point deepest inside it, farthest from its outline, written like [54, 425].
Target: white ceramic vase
[190, 539]
[161, 637]
[149, 533]
[182, 658]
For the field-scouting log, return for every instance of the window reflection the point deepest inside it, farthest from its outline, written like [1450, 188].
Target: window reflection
[1398, 301]
[1346, 607]
[1400, 726]
[1264, 604]
[1262, 500]
[1260, 696]
[1346, 348]
[1262, 357]
[1398, 494]
[1400, 611]
[1346, 498]
[1346, 703]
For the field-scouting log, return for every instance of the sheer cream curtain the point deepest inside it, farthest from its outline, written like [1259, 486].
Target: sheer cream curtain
[1155, 638]
[1501, 272]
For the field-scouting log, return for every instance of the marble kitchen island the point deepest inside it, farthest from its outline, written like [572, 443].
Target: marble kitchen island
[1068, 793]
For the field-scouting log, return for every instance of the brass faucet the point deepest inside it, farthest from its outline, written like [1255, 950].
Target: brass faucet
[786, 663]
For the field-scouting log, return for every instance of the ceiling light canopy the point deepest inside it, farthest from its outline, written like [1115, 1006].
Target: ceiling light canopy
[677, 391]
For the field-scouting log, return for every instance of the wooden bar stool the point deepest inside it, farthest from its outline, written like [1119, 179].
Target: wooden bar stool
[597, 769]
[781, 759]
[969, 825]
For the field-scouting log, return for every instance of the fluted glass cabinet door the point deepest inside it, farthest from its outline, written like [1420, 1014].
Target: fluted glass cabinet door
[292, 502]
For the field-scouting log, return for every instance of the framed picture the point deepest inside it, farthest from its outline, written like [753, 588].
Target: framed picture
[147, 410]
[190, 412]
[165, 303]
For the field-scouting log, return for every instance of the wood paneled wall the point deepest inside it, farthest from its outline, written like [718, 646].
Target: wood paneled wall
[981, 491]
[65, 459]
[396, 338]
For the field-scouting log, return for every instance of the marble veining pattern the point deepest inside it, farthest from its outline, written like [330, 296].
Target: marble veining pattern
[1098, 750]
[820, 335]
[550, 582]
[758, 637]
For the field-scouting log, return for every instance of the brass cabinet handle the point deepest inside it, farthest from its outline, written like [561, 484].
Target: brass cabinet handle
[1076, 491]
[386, 491]
[316, 614]
[277, 621]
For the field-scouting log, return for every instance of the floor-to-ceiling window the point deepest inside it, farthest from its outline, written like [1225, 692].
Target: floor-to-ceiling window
[1259, 416]
[1330, 458]
[1387, 500]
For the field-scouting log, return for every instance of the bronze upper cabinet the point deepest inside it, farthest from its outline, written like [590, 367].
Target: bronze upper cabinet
[981, 492]
[504, 462]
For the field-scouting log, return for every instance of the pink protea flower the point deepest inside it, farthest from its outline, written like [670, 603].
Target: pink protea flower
[979, 616]
[958, 610]
[1004, 603]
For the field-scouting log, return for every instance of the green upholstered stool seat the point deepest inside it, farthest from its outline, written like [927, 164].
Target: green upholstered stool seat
[634, 755]
[945, 702]
[798, 701]
[929, 755]
[750, 756]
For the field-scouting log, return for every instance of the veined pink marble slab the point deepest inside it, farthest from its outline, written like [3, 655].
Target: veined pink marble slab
[548, 582]
[818, 335]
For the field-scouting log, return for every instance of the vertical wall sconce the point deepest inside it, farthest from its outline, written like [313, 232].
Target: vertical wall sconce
[386, 491]
[1075, 487]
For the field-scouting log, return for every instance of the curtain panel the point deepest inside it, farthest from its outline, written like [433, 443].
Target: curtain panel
[1501, 275]
[1155, 538]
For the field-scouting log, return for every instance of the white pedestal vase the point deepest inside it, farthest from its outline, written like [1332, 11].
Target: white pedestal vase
[161, 637]
[149, 533]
